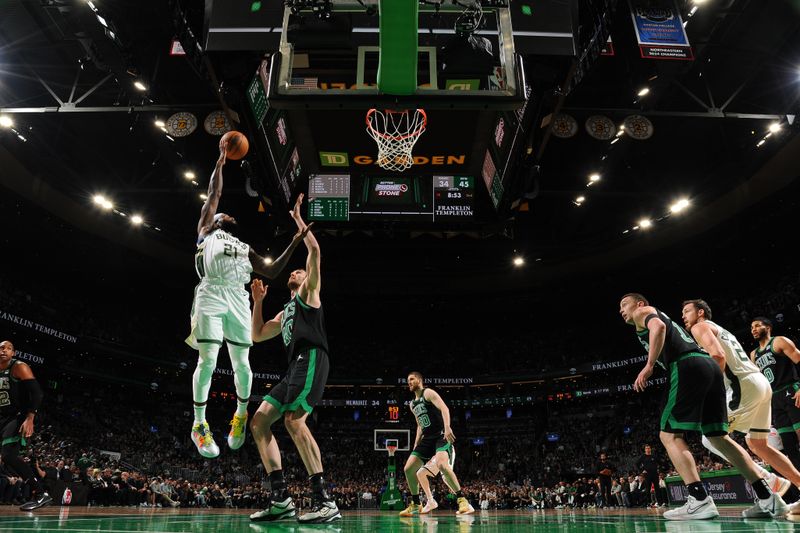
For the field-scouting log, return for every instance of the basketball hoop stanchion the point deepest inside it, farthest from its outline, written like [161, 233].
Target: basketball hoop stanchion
[391, 500]
[396, 133]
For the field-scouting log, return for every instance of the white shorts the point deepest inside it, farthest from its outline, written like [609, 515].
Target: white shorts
[754, 414]
[432, 465]
[220, 313]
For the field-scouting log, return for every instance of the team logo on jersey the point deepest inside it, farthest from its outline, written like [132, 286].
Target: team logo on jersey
[4, 385]
[287, 322]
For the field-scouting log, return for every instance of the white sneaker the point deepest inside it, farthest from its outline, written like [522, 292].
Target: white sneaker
[693, 510]
[794, 508]
[430, 505]
[772, 507]
[204, 440]
[322, 511]
[777, 484]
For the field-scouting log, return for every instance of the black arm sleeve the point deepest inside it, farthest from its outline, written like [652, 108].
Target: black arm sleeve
[34, 394]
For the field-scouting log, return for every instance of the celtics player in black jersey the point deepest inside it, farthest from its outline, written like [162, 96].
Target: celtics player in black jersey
[20, 397]
[776, 357]
[433, 448]
[301, 326]
[694, 401]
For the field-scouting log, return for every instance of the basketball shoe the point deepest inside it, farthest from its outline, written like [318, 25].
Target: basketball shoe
[464, 507]
[238, 431]
[277, 510]
[204, 440]
[413, 509]
[777, 484]
[430, 505]
[693, 510]
[322, 511]
[772, 507]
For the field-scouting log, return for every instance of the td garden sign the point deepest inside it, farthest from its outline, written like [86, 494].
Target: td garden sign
[342, 159]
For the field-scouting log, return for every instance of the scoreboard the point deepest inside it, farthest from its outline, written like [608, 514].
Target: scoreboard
[344, 197]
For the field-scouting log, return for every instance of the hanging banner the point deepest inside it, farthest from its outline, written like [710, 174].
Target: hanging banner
[659, 30]
[608, 48]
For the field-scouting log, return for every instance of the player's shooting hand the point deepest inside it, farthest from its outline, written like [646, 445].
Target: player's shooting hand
[26, 429]
[301, 234]
[295, 212]
[797, 399]
[449, 436]
[641, 380]
[258, 290]
[223, 153]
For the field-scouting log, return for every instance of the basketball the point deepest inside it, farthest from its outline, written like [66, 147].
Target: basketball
[237, 144]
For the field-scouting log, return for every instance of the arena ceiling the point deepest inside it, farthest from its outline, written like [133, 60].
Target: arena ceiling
[87, 129]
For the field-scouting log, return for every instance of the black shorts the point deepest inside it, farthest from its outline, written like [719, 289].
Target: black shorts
[428, 446]
[695, 397]
[303, 384]
[785, 416]
[9, 430]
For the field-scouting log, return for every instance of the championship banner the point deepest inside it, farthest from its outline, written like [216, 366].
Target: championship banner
[659, 30]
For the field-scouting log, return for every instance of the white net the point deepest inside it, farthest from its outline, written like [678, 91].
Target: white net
[396, 133]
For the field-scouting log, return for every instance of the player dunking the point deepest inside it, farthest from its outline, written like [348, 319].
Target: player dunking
[747, 391]
[20, 397]
[777, 357]
[694, 401]
[301, 325]
[221, 311]
[434, 445]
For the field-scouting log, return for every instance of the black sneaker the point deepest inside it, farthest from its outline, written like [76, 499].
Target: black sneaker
[275, 511]
[41, 501]
[322, 511]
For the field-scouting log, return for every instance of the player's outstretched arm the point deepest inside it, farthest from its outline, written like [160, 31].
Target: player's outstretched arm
[274, 269]
[260, 330]
[313, 261]
[28, 383]
[214, 193]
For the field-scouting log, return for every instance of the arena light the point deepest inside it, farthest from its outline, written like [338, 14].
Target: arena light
[139, 85]
[159, 123]
[203, 196]
[699, 2]
[679, 206]
[643, 91]
[189, 175]
[760, 143]
[99, 199]
[5, 121]
[645, 223]
[614, 140]
[136, 220]
[775, 127]
[519, 261]
[594, 178]
[268, 260]
[91, 5]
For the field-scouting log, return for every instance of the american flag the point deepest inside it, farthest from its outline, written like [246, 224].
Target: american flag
[303, 83]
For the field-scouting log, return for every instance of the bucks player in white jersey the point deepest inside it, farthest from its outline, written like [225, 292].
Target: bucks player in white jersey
[748, 392]
[221, 310]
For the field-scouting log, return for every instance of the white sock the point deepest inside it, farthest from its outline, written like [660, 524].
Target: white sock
[242, 374]
[201, 380]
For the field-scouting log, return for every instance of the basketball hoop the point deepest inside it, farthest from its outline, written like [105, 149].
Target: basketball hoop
[396, 133]
[391, 449]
